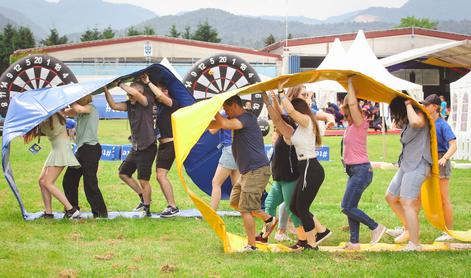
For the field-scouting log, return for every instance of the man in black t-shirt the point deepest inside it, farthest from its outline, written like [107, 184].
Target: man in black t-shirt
[166, 152]
[139, 108]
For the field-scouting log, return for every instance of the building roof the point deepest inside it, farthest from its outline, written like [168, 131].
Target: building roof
[369, 35]
[218, 46]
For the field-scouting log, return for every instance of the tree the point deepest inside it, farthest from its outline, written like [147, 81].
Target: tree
[269, 40]
[173, 32]
[91, 35]
[54, 38]
[12, 39]
[132, 32]
[205, 32]
[149, 31]
[107, 33]
[412, 21]
[187, 33]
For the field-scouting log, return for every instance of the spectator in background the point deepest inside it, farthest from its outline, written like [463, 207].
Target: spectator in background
[443, 108]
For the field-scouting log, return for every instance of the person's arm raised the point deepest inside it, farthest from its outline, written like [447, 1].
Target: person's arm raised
[140, 98]
[120, 106]
[352, 103]
[159, 95]
[416, 120]
[285, 129]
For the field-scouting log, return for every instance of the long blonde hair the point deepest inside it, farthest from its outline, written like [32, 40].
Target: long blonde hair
[36, 131]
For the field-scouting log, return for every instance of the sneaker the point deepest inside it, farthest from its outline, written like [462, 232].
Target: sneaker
[352, 246]
[403, 238]
[308, 247]
[320, 237]
[377, 234]
[261, 239]
[444, 237]
[249, 248]
[47, 215]
[139, 207]
[299, 245]
[395, 232]
[412, 247]
[72, 213]
[146, 211]
[269, 227]
[282, 237]
[170, 212]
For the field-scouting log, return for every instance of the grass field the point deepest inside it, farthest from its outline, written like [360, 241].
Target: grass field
[188, 247]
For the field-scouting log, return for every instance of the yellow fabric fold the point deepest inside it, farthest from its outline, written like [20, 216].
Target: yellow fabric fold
[190, 122]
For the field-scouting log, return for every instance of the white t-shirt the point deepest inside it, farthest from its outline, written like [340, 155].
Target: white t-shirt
[304, 140]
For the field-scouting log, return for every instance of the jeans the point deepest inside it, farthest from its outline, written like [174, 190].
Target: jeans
[359, 177]
[88, 156]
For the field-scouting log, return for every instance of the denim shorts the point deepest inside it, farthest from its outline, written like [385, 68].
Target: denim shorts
[445, 171]
[227, 158]
[407, 184]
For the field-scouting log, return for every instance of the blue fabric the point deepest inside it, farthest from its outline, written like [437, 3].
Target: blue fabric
[29, 109]
[225, 136]
[444, 135]
[359, 177]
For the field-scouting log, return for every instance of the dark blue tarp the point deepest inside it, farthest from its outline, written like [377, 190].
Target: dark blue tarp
[29, 109]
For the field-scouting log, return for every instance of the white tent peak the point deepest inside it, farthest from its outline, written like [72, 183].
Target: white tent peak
[166, 63]
[363, 60]
[336, 58]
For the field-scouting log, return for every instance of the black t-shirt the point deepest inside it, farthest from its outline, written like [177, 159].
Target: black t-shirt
[284, 162]
[164, 118]
[142, 123]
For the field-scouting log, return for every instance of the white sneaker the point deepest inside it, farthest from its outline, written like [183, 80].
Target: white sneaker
[395, 232]
[377, 234]
[412, 247]
[282, 237]
[444, 237]
[248, 248]
[404, 237]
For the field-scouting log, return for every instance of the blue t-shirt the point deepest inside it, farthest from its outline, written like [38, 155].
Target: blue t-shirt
[443, 109]
[444, 134]
[247, 145]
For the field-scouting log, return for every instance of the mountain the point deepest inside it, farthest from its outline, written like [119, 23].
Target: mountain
[70, 16]
[433, 9]
[15, 18]
[250, 31]
[301, 19]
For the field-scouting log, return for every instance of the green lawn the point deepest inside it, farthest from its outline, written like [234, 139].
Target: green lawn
[188, 247]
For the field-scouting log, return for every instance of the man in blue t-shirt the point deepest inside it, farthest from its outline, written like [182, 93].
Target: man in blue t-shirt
[249, 153]
[446, 141]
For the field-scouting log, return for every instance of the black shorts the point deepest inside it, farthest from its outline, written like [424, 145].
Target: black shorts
[165, 156]
[141, 161]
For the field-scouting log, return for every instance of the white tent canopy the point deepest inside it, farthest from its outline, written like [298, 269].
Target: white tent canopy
[326, 91]
[460, 115]
[165, 62]
[364, 60]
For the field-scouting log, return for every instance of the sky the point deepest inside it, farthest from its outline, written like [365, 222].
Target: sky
[319, 9]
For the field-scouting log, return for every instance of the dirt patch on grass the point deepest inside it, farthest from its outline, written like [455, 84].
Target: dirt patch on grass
[105, 257]
[350, 256]
[68, 273]
[168, 268]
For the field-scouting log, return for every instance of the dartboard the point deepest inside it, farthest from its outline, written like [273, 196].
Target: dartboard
[32, 72]
[221, 73]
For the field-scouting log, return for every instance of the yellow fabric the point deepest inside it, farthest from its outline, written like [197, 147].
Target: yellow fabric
[189, 123]
[440, 63]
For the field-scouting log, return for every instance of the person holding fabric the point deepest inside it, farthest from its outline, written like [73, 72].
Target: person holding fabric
[446, 140]
[414, 166]
[249, 153]
[166, 152]
[305, 139]
[88, 154]
[142, 154]
[359, 170]
[61, 156]
[227, 166]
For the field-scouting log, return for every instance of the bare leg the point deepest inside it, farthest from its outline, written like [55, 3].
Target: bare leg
[447, 208]
[249, 225]
[411, 211]
[301, 233]
[235, 176]
[165, 186]
[393, 202]
[146, 191]
[219, 178]
[48, 181]
[260, 214]
[131, 182]
[45, 194]
[319, 228]
[311, 238]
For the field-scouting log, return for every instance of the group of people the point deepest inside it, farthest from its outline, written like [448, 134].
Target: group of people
[298, 176]
[143, 95]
